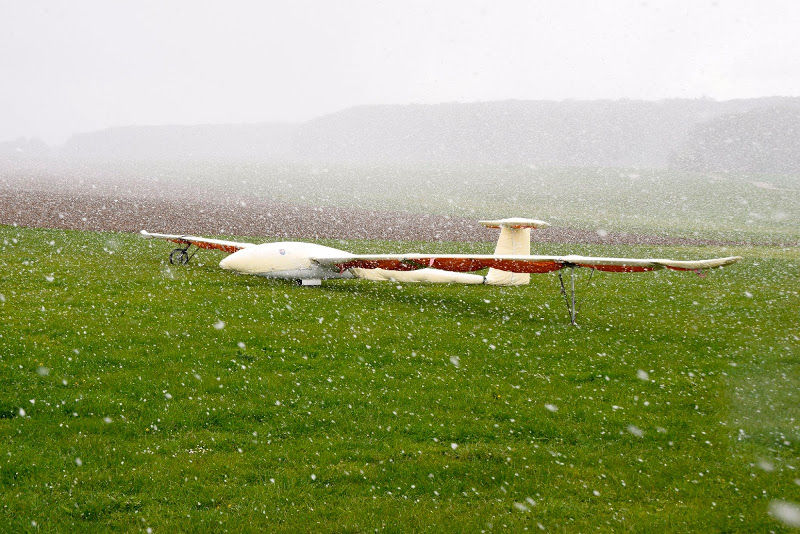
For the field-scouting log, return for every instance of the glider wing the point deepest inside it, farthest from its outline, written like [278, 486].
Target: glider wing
[201, 242]
[514, 264]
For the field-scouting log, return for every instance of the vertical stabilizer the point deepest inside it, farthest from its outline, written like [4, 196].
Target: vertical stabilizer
[515, 239]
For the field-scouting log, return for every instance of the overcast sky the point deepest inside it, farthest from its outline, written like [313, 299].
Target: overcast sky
[85, 65]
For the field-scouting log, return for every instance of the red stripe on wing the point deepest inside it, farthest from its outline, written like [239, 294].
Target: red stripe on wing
[464, 265]
[459, 265]
[523, 266]
[230, 249]
[389, 265]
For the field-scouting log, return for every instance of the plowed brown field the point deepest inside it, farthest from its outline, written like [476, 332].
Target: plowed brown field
[198, 212]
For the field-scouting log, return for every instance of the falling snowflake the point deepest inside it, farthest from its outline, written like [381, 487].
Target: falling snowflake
[766, 465]
[786, 512]
[636, 431]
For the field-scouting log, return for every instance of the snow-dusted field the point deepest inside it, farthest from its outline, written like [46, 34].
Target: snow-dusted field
[430, 203]
[198, 214]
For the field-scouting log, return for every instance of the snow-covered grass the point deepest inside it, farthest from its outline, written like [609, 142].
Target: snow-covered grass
[139, 395]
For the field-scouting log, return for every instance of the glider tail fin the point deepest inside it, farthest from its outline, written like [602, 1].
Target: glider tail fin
[515, 239]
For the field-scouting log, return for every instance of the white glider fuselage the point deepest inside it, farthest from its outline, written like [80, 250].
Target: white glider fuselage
[289, 260]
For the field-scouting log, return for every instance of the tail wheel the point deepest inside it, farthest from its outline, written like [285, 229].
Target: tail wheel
[179, 256]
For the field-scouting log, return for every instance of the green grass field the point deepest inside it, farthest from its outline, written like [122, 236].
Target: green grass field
[137, 395]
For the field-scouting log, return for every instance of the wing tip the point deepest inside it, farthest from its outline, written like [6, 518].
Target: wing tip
[716, 263]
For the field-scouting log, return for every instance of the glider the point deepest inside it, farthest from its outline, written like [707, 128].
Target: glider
[510, 265]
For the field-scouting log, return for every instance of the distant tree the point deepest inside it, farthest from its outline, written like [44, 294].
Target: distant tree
[765, 140]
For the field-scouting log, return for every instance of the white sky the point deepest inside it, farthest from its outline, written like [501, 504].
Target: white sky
[68, 66]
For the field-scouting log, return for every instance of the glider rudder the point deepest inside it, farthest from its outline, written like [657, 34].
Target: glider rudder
[515, 239]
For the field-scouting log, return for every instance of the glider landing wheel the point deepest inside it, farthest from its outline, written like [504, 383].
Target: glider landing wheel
[179, 256]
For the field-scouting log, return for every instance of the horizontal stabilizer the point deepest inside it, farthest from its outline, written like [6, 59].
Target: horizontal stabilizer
[515, 222]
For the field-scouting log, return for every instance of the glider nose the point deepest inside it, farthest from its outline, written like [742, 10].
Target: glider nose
[228, 263]
[245, 260]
